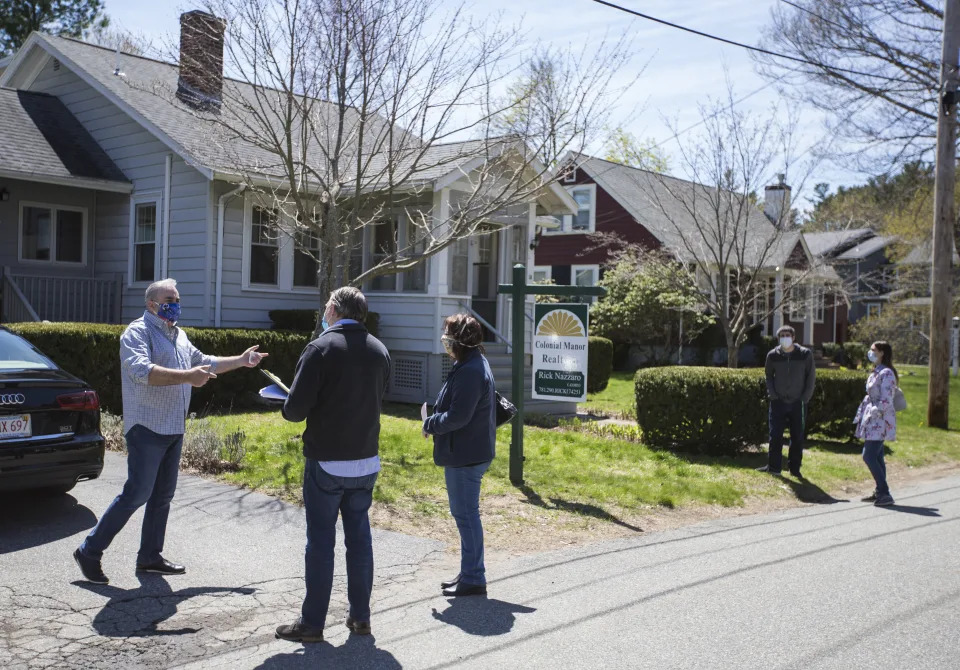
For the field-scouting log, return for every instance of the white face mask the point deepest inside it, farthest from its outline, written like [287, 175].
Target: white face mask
[872, 355]
[786, 342]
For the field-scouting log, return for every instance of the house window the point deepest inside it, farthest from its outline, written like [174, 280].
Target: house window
[414, 279]
[541, 274]
[585, 275]
[584, 221]
[873, 309]
[761, 302]
[818, 300]
[52, 233]
[264, 247]
[459, 265]
[306, 253]
[384, 244]
[798, 298]
[145, 241]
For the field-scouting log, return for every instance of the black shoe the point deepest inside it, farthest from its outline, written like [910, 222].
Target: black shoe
[463, 589]
[90, 568]
[796, 473]
[358, 627]
[870, 498]
[766, 468]
[298, 632]
[884, 501]
[450, 583]
[162, 567]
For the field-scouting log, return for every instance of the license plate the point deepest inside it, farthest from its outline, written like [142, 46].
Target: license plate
[15, 426]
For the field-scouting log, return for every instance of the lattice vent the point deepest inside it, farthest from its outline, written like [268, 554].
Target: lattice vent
[408, 374]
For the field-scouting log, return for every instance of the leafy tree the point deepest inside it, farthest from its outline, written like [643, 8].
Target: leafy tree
[646, 298]
[622, 147]
[73, 18]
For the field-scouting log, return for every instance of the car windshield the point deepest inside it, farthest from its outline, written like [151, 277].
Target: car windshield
[18, 354]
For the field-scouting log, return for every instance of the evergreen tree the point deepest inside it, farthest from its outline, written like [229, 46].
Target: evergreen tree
[72, 18]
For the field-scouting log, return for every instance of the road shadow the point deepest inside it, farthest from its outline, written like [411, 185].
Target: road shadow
[137, 612]
[32, 519]
[583, 509]
[919, 511]
[359, 651]
[479, 615]
[808, 492]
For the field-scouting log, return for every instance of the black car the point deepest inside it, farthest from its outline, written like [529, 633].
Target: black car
[49, 422]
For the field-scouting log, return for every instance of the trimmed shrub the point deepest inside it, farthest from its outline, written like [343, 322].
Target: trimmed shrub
[91, 352]
[305, 320]
[717, 410]
[854, 354]
[599, 363]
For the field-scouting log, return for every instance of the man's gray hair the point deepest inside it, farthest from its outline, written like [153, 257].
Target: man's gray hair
[153, 291]
[349, 303]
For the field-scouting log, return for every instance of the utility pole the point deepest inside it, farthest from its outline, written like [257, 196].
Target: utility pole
[944, 218]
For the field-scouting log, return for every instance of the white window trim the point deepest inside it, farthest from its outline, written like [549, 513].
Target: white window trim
[765, 286]
[879, 307]
[818, 299]
[795, 315]
[596, 277]
[53, 237]
[156, 197]
[401, 227]
[566, 227]
[548, 269]
[284, 255]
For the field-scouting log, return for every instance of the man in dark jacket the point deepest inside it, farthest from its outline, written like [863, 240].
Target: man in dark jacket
[790, 380]
[338, 388]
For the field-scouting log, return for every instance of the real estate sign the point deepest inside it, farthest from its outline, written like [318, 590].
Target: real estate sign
[560, 352]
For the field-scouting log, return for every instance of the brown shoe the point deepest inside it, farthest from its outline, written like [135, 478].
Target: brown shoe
[298, 632]
[358, 627]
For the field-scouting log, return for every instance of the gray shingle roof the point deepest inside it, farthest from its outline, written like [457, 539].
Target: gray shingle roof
[148, 87]
[41, 137]
[866, 248]
[823, 244]
[670, 209]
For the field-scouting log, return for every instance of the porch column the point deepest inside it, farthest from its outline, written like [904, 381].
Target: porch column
[778, 301]
[439, 270]
[809, 292]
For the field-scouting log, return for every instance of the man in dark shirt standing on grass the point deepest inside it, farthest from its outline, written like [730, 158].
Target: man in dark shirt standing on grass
[790, 380]
[338, 388]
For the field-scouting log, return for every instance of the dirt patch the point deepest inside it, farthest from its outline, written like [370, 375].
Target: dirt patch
[514, 525]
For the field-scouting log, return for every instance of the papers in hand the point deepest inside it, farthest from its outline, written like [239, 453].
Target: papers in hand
[273, 392]
[423, 412]
[276, 380]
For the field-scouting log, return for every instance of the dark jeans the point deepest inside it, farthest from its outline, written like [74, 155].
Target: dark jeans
[463, 492]
[326, 496]
[153, 462]
[784, 415]
[873, 457]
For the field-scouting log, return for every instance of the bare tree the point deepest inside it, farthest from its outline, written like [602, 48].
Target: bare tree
[715, 228]
[341, 114]
[871, 65]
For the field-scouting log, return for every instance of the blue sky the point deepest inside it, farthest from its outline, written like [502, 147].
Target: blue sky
[683, 69]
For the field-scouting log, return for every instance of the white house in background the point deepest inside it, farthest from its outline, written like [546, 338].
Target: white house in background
[105, 187]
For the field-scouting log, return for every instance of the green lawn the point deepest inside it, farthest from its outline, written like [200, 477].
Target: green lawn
[590, 476]
[617, 400]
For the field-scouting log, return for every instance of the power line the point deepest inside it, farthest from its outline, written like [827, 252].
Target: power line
[739, 44]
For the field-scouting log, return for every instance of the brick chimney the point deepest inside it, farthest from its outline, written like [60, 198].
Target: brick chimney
[776, 203]
[201, 60]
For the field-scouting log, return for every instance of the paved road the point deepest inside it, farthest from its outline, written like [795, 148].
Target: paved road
[841, 585]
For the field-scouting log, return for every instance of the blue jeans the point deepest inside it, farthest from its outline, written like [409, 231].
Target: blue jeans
[324, 497]
[463, 492]
[873, 457]
[153, 462]
[783, 415]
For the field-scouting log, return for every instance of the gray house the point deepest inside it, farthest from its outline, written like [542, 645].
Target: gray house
[106, 186]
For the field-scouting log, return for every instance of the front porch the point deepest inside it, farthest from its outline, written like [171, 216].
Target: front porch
[44, 298]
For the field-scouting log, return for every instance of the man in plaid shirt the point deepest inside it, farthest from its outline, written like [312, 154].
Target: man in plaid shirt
[159, 368]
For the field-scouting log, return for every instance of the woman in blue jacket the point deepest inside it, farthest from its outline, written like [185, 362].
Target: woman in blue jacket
[464, 427]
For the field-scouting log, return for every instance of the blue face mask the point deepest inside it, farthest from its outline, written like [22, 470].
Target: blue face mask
[169, 311]
[324, 324]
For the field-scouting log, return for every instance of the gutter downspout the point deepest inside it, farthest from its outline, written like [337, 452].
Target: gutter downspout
[221, 211]
[167, 184]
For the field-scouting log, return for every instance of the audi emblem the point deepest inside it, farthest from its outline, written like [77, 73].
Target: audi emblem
[12, 399]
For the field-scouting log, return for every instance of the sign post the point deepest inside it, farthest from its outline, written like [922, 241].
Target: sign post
[519, 290]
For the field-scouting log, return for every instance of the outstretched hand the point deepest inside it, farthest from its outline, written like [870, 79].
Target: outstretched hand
[251, 357]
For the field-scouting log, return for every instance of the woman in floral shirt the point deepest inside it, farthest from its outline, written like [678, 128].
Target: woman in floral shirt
[877, 420]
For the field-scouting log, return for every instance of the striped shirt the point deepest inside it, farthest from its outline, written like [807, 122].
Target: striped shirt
[147, 342]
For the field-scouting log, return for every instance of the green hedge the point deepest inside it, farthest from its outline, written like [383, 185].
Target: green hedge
[717, 410]
[91, 352]
[305, 320]
[599, 363]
